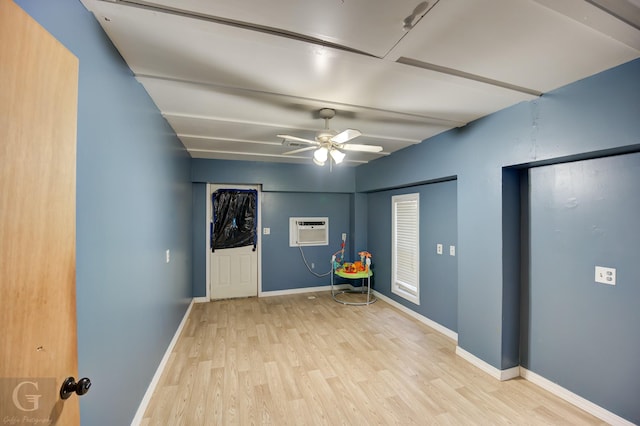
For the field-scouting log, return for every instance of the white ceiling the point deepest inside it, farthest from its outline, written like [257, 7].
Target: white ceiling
[229, 75]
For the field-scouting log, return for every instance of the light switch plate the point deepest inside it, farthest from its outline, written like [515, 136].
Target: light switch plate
[439, 248]
[266, 231]
[605, 275]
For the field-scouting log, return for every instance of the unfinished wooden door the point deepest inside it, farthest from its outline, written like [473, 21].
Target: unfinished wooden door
[38, 109]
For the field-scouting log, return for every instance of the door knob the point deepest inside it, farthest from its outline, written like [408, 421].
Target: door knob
[70, 386]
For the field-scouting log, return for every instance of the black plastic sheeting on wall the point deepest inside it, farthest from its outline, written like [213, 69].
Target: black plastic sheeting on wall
[234, 218]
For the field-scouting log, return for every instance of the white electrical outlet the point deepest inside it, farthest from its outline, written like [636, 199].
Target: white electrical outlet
[344, 236]
[266, 231]
[452, 250]
[605, 275]
[439, 248]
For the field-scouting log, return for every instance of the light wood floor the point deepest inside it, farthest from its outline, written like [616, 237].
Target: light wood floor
[296, 360]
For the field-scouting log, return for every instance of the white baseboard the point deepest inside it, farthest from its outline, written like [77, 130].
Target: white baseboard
[501, 375]
[137, 419]
[302, 290]
[203, 299]
[557, 390]
[578, 401]
[436, 326]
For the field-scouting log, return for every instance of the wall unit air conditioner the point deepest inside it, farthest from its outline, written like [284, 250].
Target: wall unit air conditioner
[308, 231]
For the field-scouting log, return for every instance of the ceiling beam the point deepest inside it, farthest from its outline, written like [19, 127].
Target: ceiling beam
[466, 75]
[316, 103]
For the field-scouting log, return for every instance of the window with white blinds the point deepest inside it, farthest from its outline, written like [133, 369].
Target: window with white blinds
[405, 246]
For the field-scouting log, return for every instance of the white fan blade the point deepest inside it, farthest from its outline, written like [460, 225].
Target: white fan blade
[297, 139]
[361, 148]
[295, 151]
[345, 136]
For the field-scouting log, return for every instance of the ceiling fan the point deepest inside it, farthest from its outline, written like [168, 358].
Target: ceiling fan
[329, 144]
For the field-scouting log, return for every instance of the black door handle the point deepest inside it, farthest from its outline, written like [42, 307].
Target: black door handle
[70, 386]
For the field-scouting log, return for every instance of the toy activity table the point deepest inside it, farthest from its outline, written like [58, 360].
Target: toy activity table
[363, 275]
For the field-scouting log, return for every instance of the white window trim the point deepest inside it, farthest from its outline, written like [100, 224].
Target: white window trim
[404, 288]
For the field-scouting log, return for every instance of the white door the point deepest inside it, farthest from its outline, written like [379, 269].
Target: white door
[233, 272]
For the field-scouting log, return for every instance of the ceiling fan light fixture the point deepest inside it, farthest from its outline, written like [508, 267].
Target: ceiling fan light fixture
[320, 155]
[337, 156]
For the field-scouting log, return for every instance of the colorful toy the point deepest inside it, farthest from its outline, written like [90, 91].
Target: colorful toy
[358, 270]
[338, 263]
[365, 260]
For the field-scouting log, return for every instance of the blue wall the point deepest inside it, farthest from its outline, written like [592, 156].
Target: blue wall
[276, 176]
[590, 118]
[438, 273]
[133, 203]
[511, 264]
[200, 244]
[282, 266]
[289, 190]
[578, 333]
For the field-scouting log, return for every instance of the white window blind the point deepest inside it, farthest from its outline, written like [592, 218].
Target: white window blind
[405, 246]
